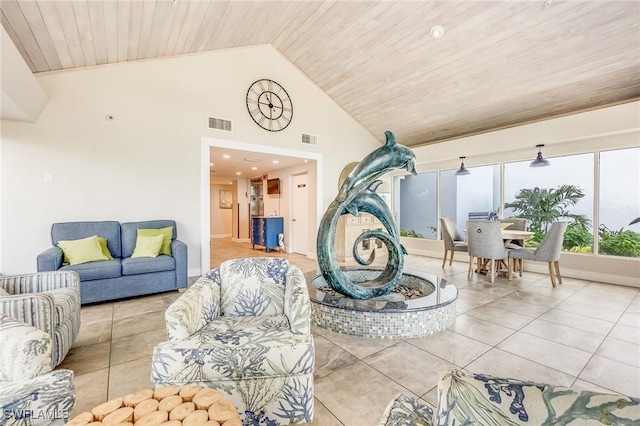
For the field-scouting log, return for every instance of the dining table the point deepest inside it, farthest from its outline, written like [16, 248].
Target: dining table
[510, 235]
[511, 238]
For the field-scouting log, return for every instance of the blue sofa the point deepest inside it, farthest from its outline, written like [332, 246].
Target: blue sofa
[123, 276]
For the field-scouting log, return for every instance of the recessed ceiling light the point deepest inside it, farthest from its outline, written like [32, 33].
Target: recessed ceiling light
[226, 156]
[238, 173]
[436, 31]
[252, 160]
[254, 168]
[306, 161]
[275, 161]
[210, 164]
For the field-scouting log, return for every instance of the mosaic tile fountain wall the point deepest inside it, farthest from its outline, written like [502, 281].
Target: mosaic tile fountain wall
[386, 318]
[383, 325]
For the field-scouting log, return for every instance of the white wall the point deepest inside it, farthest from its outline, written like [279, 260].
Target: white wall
[219, 219]
[146, 162]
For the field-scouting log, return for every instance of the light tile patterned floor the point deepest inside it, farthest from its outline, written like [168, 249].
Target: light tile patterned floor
[582, 334]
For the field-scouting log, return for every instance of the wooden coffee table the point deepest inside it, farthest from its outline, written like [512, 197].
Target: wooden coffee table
[189, 405]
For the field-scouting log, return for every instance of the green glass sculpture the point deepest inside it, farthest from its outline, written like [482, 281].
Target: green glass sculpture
[358, 194]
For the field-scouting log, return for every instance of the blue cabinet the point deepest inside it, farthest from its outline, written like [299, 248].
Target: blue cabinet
[265, 231]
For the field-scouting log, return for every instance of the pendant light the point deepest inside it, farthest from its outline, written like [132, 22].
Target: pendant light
[539, 161]
[462, 170]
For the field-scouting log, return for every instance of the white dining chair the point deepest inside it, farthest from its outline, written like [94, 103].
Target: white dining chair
[485, 242]
[452, 239]
[548, 250]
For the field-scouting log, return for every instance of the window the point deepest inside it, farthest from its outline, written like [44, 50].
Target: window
[472, 196]
[562, 191]
[418, 207]
[619, 203]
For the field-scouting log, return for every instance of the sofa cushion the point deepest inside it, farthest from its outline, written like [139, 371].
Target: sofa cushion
[96, 270]
[469, 398]
[76, 230]
[233, 348]
[144, 265]
[129, 232]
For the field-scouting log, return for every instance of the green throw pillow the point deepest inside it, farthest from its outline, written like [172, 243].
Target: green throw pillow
[103, 247]
[82, 251]
[147, 246]
[166, 232]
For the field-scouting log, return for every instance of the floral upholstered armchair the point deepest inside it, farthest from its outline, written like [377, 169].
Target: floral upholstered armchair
[466, 398]
[245, 329]
[30, 392]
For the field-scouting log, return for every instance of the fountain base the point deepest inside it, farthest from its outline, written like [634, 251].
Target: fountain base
[387, 317]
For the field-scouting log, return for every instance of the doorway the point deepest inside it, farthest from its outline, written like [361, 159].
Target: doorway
[300, 214]
[314, 213]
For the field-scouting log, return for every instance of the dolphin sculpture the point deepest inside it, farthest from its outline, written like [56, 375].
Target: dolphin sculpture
[357, 194]
[369, 201]
[380, 161]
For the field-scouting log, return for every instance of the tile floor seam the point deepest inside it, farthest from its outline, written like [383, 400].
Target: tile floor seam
[395, 381]
[553, 341]
[596, 353]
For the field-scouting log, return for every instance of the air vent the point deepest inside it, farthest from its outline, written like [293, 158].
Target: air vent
[309, 139]
[220, 124]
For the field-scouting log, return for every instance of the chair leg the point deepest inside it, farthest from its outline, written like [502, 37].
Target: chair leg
[470, 267]
[510, 263]
[445, 258]
[521, 266]
[451, 259]
[492, 270]
[557, 265]
[552, 274]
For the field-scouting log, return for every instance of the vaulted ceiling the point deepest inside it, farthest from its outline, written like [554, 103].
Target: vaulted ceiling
[498, 63]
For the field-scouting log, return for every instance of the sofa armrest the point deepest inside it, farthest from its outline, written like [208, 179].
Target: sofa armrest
[197, 306]
[25, 353]
[34, 309]
[50, 259]
[297, 306]
[48, 399]
[179, 252]
[41, 281]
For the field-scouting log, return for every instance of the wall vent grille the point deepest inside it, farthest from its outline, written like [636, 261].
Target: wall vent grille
[220, 124]
[309, 139]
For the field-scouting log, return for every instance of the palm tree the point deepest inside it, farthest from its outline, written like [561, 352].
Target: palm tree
[542, 206]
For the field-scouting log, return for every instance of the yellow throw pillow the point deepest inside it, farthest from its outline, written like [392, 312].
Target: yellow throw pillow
[104, 248]
[147, 246]
[83, 250]
[166, 242]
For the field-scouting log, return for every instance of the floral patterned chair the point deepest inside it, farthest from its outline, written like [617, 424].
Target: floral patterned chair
[466, 398]
[30, 392]
[244, 328]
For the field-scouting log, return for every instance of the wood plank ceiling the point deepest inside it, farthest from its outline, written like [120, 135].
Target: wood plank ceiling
[499, 63]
